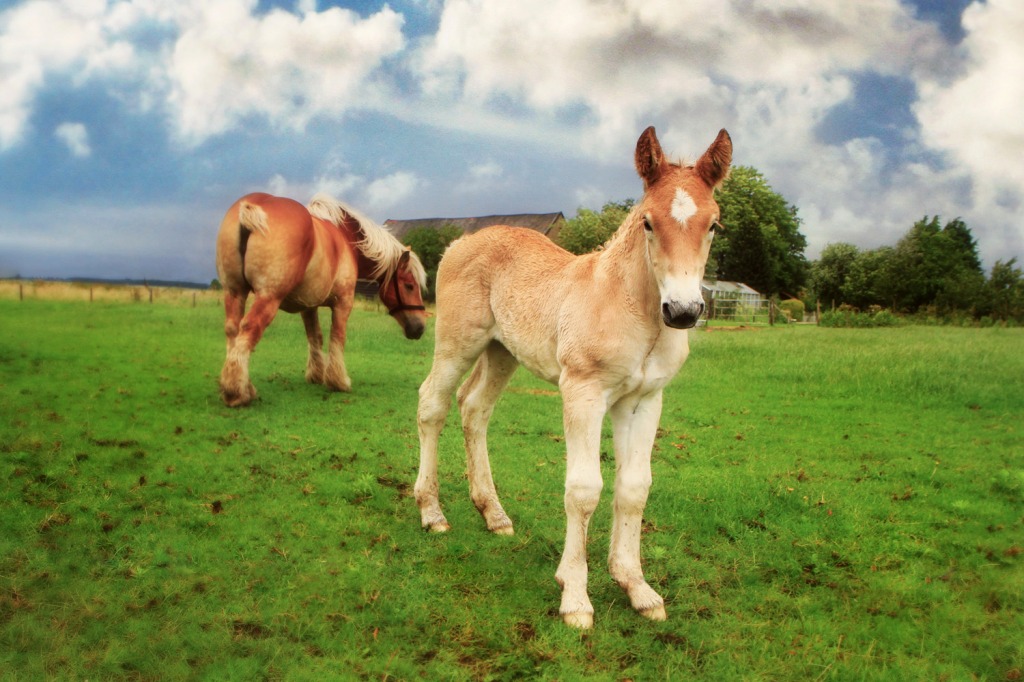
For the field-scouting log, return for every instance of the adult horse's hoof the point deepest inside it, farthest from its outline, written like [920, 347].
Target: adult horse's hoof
[440, 527]
[504, 530]
[236, 399]
[582, 621]
[657, 613]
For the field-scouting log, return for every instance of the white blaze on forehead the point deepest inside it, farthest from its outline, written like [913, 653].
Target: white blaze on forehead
[683, 206]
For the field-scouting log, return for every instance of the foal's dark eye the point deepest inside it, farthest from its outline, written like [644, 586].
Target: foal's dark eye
[647, 223]
[715, 226]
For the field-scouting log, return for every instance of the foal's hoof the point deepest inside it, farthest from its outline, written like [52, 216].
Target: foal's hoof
[504, 530]
[582, 621]
[440, 527]
[656, 613]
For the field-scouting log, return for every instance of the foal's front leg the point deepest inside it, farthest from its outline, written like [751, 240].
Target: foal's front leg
[583, 412]
[635, 424]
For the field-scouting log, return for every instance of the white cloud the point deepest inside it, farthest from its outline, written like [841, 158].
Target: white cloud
[486, 172]
[373, 197]
[631, 62]
[976, 117]
[76, 137]
[228, 64]
[42, 37]
[391, 190]
[213, 63]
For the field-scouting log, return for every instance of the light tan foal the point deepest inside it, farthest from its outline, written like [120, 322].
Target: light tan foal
[609, 328]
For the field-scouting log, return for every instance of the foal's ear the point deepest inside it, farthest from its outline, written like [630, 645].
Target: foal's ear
[713, 166]
[650, 160]
[403, 260]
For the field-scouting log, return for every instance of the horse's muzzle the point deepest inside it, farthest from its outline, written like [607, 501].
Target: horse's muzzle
[413, 329]
[681, 315]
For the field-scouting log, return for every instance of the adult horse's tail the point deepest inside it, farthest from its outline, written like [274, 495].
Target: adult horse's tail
[251, 218]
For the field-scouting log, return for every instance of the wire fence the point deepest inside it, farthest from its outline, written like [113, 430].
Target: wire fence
[743, 311]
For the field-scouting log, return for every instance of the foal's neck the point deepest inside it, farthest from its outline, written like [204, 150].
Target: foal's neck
[625, 261]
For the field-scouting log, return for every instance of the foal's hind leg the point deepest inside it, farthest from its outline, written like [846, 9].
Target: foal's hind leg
[435, 401]
[476, 403]
[315, 365]
[235, 387]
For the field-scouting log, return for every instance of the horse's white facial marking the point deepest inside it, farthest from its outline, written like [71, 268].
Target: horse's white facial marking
[683, 206]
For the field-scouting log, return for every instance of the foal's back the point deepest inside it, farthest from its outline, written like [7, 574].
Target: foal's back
[517, 287]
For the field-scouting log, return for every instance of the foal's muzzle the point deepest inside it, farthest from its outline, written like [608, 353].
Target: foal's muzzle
[681, 315]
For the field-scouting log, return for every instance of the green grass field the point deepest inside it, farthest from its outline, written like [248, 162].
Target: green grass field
[827, 504]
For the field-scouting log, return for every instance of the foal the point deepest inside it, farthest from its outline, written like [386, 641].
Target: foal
[609, 328]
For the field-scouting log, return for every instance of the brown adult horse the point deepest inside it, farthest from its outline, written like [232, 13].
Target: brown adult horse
[298, 259]
[609, 328]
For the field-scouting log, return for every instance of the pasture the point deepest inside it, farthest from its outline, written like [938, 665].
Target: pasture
[827, 504]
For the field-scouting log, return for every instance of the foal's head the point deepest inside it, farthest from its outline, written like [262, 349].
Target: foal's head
[402, 294]
[679, 216]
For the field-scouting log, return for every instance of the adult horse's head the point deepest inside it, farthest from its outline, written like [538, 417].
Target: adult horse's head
[679, 216]
[402, 295]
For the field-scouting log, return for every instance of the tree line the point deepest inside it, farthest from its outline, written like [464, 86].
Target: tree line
[932, 270]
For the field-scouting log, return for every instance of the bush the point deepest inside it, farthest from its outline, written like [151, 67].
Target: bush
[429, 244]
[848, 317]
[793, 308]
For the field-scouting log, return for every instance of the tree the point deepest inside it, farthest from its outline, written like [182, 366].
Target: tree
[761, 243]
[868, 280]
[589, 230]
[933, 266]
[429, 244]
[830, 272]
[1005, 291]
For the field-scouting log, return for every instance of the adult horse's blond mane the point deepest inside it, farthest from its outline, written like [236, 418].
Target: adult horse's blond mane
[377, 244]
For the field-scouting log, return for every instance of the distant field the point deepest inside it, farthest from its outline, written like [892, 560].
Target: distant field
[827, 504]
[49, 290]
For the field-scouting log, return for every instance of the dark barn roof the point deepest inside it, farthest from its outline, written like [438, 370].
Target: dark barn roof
[549, 224]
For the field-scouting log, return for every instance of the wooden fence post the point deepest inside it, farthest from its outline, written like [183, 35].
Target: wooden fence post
[193, 299]
[21, 291]
[90, 294]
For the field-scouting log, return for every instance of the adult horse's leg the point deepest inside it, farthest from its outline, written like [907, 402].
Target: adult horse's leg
[635, 424]
[476, 400]
[315, 365]
[336, 376]
[234, 310]
[236, 388]
[583, 412]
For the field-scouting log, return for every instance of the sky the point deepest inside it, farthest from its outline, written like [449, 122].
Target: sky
[128, 127]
